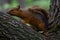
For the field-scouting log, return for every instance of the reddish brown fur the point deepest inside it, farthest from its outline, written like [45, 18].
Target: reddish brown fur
[37, 9]
[28, 18]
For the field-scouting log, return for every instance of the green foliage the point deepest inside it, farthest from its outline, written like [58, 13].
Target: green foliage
[14, 3]
[42, 3]
[28, 2]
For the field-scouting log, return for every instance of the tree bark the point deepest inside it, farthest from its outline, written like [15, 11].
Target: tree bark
[12, 29]
[54, 14]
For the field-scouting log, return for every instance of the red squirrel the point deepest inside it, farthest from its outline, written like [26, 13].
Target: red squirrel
[28, 17]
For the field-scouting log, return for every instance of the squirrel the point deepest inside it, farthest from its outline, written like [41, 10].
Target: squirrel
[29, 17]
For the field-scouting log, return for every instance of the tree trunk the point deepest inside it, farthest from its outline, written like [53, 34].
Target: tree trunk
[54, 14]
[12, 29]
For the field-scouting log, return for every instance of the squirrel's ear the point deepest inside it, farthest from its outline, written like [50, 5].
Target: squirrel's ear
[18, 7]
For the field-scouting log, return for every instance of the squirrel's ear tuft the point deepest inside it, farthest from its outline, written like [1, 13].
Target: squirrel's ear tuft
[18, 7]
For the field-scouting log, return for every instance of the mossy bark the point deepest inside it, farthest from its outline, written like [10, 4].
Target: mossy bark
[12, 29]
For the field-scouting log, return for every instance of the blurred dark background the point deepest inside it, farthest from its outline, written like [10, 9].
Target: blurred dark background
[7, 4]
